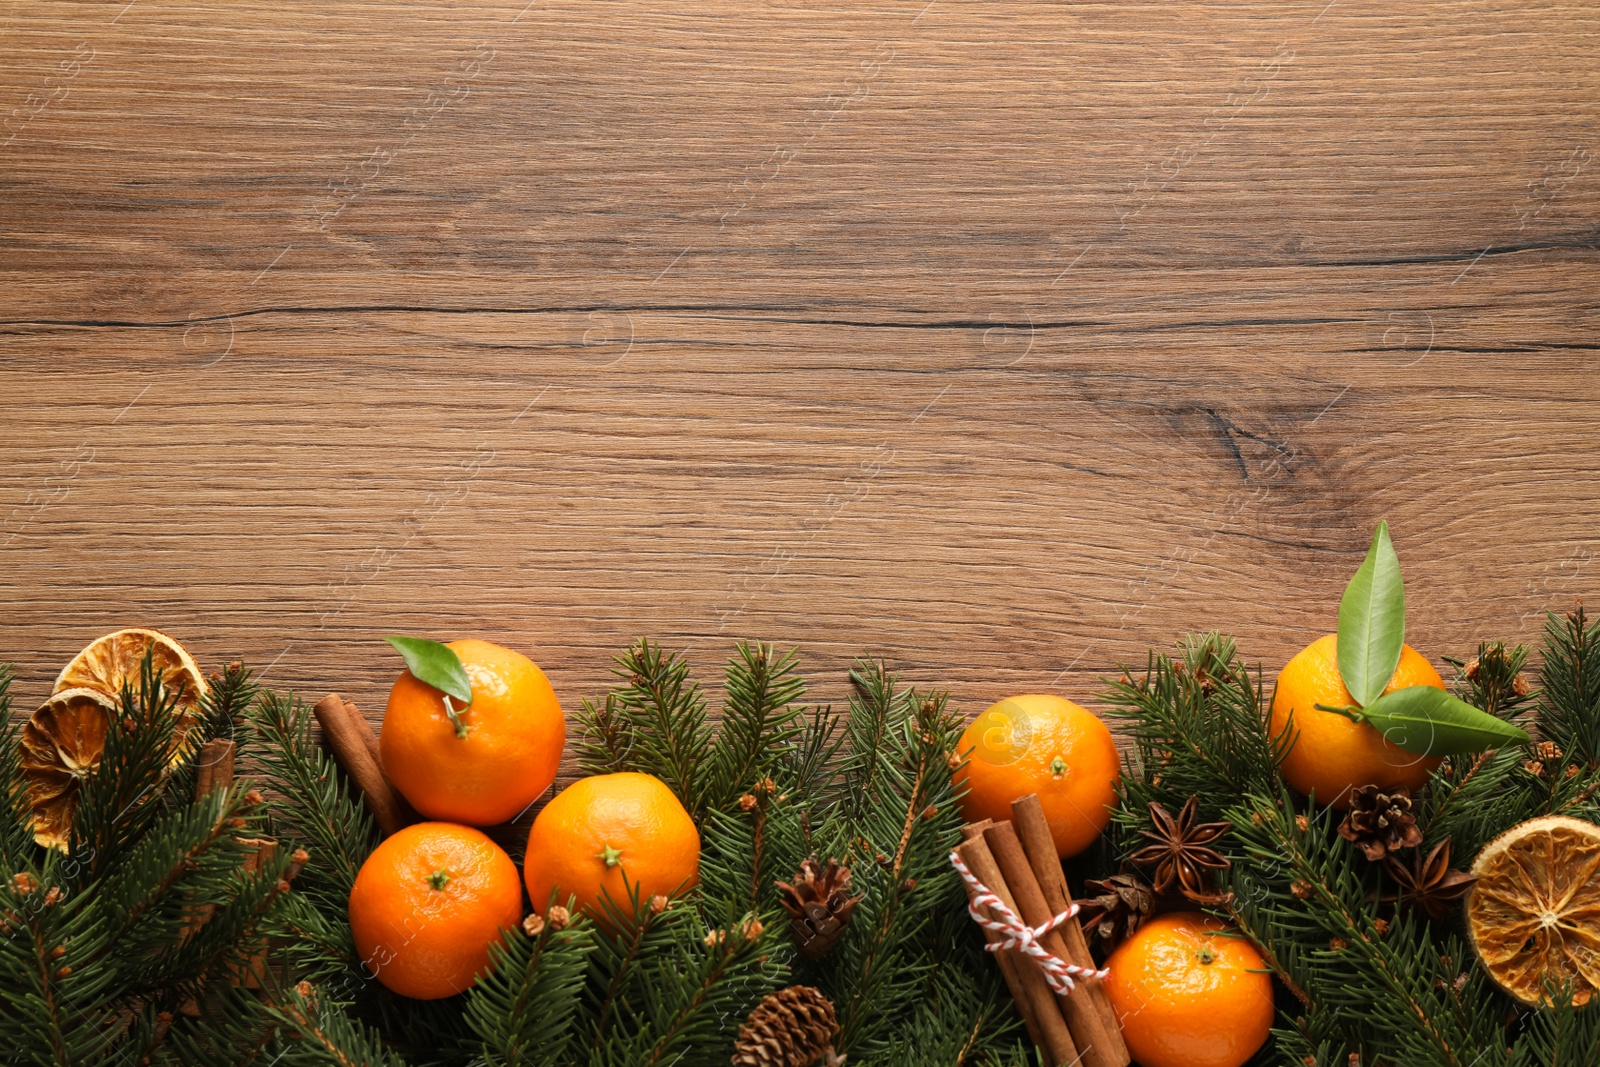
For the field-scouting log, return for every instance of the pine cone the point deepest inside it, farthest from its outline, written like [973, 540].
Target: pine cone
[819, 905]
[1380, 822]
[793, 1027]
[1114, 908]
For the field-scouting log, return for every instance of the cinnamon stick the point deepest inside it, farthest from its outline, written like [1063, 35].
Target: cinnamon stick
[347, 741]
[1006, 960]
[1033, 830]
[213, 767]
[1030, 987]
[1101, 1046]
[369, 738]
[252, 973]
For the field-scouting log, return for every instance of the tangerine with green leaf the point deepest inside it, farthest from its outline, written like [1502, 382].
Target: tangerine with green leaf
[604, 835]
[1332, 754]
[427, 904]
[481, 763]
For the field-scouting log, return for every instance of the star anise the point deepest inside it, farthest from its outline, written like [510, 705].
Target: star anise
[1429, 883]
[1113, 908]
[1181, 855]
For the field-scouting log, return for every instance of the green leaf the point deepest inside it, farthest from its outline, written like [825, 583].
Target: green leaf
[1431, 722]
[1372, 621]
[436, 665]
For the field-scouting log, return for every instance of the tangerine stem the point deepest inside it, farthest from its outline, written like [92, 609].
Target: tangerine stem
[455, 717]
[612, 856]
[438, 880]
[1349, 711]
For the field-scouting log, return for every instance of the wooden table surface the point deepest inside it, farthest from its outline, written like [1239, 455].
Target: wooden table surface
[1002, 340]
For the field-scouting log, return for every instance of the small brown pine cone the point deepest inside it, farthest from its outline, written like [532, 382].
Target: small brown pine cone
[1380, 821]
[1113, 908]
[819, 905]
[793, 1027]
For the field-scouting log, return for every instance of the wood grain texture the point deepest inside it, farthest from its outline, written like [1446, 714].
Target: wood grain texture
[1002, 340]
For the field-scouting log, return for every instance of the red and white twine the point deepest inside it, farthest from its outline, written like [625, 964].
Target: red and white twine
[1019, 935]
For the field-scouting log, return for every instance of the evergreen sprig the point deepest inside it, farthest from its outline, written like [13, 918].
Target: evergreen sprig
[1200, 726]
[528, 1009]
[219, 714]
[315, 804]
[313, 1032]
[906, 824]
[760, 720]
[152, 910]
[119, 802]
[655, 722]
[1569, 698]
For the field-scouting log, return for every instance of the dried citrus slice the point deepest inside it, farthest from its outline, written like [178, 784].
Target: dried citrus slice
[1534, 914]
[116, 658]
[61, 744]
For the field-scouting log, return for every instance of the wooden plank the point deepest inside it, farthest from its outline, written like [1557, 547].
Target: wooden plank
[1003, 340]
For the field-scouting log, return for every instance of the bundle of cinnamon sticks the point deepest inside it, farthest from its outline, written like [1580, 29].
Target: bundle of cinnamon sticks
[349, 736]
[1017, 861]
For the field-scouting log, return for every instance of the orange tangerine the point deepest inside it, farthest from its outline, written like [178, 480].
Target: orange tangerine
[1189, 993]
[428, 903]
[602, 835]
[1047, 745]
[514, 733]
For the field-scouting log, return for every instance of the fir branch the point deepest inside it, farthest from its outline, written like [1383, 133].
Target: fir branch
[960, 1020]
[656, 723]
[624, 938]
[911, 822]
[317, 946]
[117, 802]
[812, 759]
[1569, 700]
[603, 742]
[743, 853]
[228, 696]
[1492, 680]
[1388, 982]
[1561, 1035]
[1472, 799]
[1200, 728]
[58, 1000]
[234, 1031]
[689, 993]
[314, 1035]
[760, 720]
[145, 877]
[697, 1023]
[232, 938]
[876, 708]
[314, 804]
[527, 1008]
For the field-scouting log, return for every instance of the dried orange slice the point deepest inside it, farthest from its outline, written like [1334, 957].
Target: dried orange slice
[61, 744]
[1534, 914]
[63, 741]
[116, 658]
